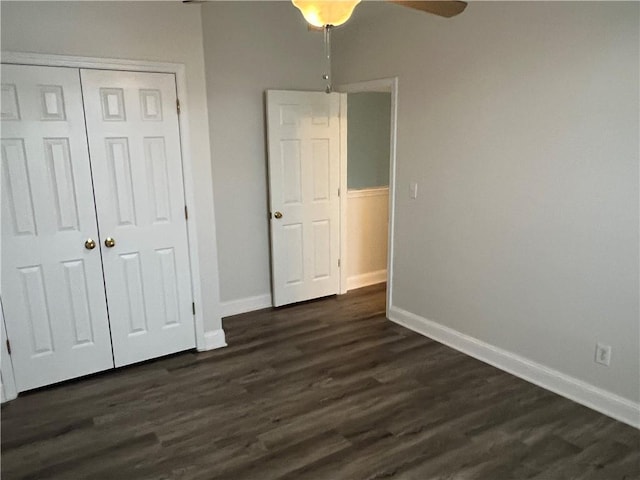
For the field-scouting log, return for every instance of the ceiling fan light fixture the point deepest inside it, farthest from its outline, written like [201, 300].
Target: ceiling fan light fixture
[321, 13]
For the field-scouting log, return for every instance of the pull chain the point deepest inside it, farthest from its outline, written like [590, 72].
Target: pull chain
[327, 53]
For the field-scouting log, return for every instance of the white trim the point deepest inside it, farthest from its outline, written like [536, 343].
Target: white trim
[366, 279]
[368, 192]
[380, 85]
[581, 392]
[245, 305]
[183, 121]
[343, 195]
[8, 387]
[51, 60]
[392, 189]
[214, 339]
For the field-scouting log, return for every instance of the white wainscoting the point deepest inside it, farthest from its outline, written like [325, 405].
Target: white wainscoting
[367, 233]
[581, 392]
[364, 279]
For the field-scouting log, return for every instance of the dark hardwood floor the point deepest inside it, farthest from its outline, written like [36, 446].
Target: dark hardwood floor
[324, 390]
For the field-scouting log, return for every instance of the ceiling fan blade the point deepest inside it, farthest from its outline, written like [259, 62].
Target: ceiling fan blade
[441, 8]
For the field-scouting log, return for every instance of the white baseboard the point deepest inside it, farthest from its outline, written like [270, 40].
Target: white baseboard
[366, 279]
[214, 339]
[244, 305]
[581, 392]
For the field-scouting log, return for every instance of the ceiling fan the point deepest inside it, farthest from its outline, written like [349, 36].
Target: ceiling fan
[323, 13]
[441, 8]
[326, 14]
[339, 11]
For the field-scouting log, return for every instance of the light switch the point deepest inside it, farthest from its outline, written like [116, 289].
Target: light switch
[413, 190]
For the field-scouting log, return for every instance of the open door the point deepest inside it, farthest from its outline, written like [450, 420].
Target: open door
[304, 189]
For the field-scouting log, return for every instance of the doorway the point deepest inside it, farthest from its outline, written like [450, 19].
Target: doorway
[308, 193]
[368, 178]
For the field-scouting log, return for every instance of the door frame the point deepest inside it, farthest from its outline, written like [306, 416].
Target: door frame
[389, 85]
[179, 70]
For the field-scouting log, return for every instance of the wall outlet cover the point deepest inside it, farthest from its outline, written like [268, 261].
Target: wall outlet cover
[603, 354]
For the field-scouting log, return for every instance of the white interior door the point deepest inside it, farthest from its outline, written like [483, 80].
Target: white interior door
[304, 180]
[52, 286]
[132, 126]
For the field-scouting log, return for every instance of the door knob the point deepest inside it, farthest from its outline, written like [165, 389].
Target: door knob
[109, 242]
[90, 244]
[277, 215]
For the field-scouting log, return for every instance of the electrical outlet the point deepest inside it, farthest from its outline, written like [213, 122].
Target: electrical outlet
[603, 354]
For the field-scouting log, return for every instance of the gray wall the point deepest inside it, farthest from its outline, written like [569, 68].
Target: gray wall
[368, 132]
[158, 31]
[519, 121]
[249, 47]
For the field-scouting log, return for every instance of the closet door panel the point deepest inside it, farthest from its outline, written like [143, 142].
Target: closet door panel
[52, 286]
[132, 126]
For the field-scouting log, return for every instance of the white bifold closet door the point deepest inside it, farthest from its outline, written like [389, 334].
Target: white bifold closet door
[95, 266]
[132, 126]
[52, 286]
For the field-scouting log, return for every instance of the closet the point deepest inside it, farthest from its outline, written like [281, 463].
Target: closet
[95, 260]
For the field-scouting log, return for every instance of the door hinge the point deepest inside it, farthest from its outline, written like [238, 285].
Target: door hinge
[193, 307]
[186, 213]
[338, 192]
[338, 262]
[9, 346]
[178, 106]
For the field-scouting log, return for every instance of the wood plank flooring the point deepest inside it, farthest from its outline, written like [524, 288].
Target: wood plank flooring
[324, 390]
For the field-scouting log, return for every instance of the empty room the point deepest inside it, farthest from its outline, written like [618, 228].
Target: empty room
[304, 239]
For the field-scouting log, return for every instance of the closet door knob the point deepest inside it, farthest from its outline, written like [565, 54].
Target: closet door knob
[109, 242]
[277, 215]
[90, 244]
